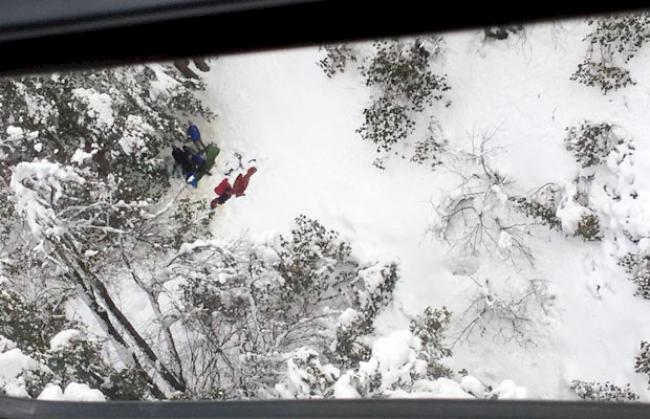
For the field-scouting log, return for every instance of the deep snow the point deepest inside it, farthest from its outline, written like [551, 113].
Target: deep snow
[279, 108]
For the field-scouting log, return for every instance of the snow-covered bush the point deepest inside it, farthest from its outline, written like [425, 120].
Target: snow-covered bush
[268, 300]
[314, 258]
[431, 147]
[306, 377]
[400, 69]
[541, 205]
[30, 325]
[604, 154]
[508, 313]
[603, 392]
[591, 143]
[605, 76]
[589, 228]
[612, 43]
[386, 123]
[190, 220]
[61, 355]
[638, 267]
[404, 363]
[337, 58]
[430, 328]
[642, 360]
[479, 214]
[575, 211]
[401, 73]
[82, 361]
[621, 35]
[357, 321]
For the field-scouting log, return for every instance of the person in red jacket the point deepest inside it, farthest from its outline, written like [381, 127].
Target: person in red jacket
[241, 183]
[224, 192]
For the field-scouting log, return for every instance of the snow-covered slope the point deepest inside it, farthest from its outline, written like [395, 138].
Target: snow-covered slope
[280, 109]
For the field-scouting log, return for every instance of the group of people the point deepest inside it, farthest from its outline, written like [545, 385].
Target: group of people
[190, 162]
[225, 191]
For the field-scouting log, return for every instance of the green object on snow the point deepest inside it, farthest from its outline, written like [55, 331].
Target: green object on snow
[211, 152]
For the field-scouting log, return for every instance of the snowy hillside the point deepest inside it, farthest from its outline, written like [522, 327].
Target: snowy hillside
[462, 215]
[300, 126]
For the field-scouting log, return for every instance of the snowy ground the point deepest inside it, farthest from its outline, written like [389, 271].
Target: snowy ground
[280, 109]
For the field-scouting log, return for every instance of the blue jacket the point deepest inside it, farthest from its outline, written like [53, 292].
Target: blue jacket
[193, 133]
[198, 160]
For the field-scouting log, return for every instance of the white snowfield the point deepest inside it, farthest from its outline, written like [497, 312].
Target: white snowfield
[530, 312]
[280, 109]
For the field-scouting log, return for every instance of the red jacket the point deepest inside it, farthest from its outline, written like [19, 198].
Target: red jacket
[241, 183]
[223, 188]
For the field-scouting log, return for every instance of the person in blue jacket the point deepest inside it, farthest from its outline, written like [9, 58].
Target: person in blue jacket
[197, 160]
[195, 135]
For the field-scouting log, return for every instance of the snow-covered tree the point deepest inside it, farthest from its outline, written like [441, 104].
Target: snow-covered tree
[512, 312]
[481, 214]
[116, 122]
[430, 149]
[268, 300]
[82, 168]
[400, 71]
[430, 328]
[60, 352]
[403, 84]
[612, 43]
[405, 363]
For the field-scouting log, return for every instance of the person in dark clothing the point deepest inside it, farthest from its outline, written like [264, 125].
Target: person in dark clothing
[187, 157]
[181, 159]
[178, 155]
[187, 152]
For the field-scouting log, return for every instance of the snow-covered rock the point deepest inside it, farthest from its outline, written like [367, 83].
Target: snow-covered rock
[74, 392]
[51, 392]
[472, 386]
[509, 390]
[12, 363]
[64, 339]
[82, 393]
